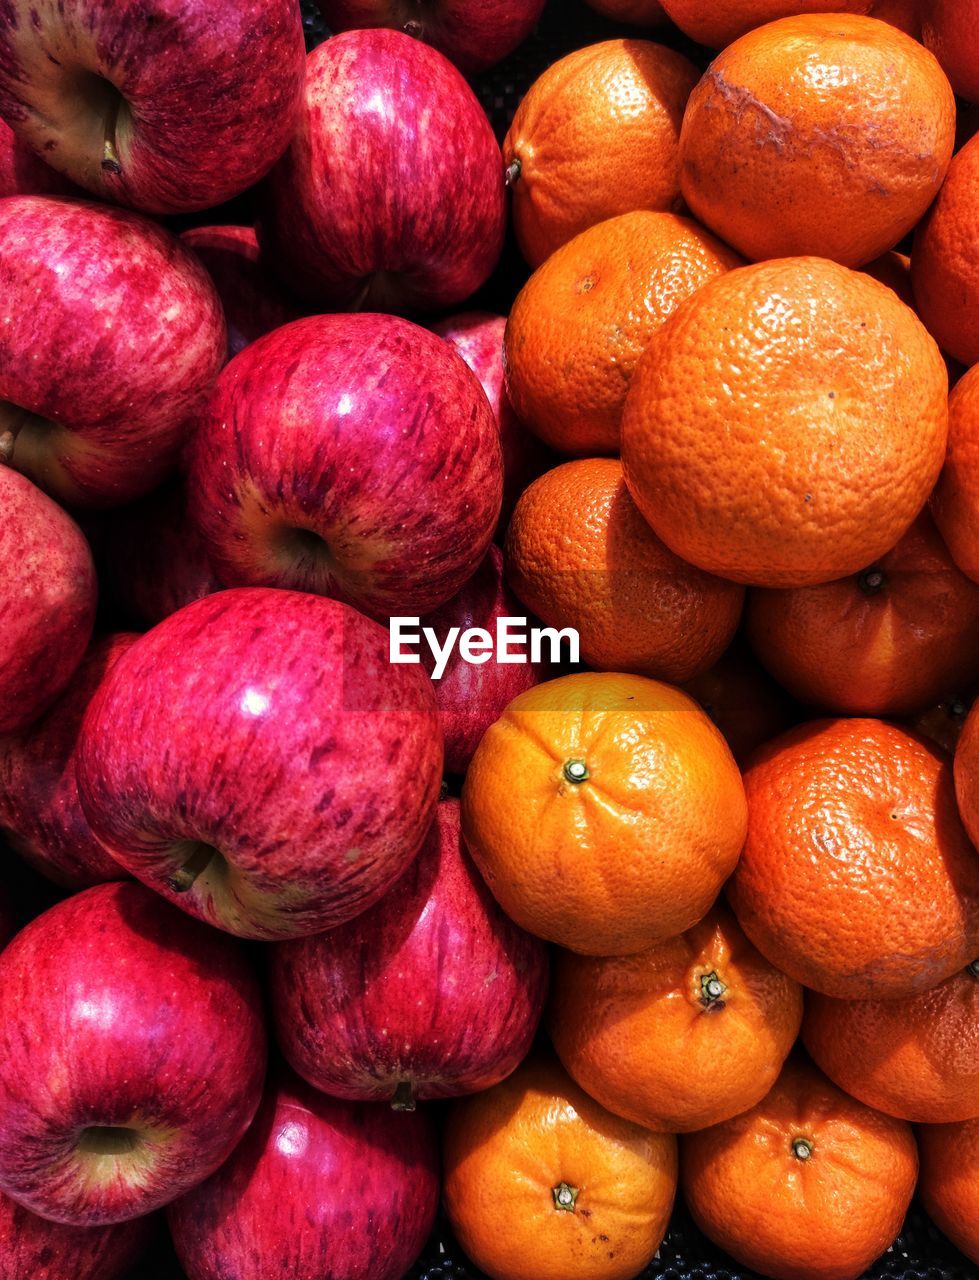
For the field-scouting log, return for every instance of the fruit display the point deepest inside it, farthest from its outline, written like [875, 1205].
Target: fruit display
[489, 739]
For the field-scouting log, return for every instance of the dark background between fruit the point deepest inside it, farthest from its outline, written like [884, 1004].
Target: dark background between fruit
[920, 1252]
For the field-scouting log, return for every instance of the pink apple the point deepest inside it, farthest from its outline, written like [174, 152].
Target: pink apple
[478, 338]
[132, 1053]
[355, 456]
[257, 760]
[475, 34]
[253, 303]
[391, 195]
[40, 814]
[22, 173]
[164, 105]
[32, 1248]
[47, 599]
[319, 1190]
[432, 993]
[113, 333]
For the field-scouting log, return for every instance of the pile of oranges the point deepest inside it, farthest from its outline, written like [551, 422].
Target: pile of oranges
[750, 826]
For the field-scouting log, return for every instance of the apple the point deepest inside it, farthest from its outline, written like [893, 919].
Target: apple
[253, 303]
[432, 993]
[39, 809]
[478, 338]
[163, 105]
[47, 599]
[257, 760]
[354, 456]
[113, 332]
[319, 1190]
[22, 173]
[132, 1055]
[391, 195]
[474, 34]
[32, 1248]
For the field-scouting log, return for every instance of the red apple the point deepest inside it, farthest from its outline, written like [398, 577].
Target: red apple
[478, 337]
[132, 1053]
[164, 105]
[353, 456]
[432, 993]
[8, 926]
[113, 333]
[391, 195]
[32, 1248]
[39, 809]
[253, 303]
[475, 34]
[47, 599]
[257, 760]
[319, 1190]
[22, 173]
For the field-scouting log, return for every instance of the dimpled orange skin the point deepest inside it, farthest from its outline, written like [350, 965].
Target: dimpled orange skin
[950, 28]
[507, 1150]
[635, 852]
[822, 1218]
[955, 501]
[949, 1183]
[857, 877]
[744, 702]
[945, 260]
[917, 1059]
[890, 640]
[826, 134]
[642, 13]
[579, 554]
[786, 424]
[647, 1036]
[583, 319]
[719, 22]
[596, 135]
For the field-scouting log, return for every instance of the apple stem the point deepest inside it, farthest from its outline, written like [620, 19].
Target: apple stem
[110, 153]
[404, 1097]
[511, 174]
[7, 441]
[182, 880]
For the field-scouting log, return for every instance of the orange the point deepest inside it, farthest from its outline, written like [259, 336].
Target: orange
[949, 1183]
[583, 319]
[951, 29]
[809, 1185]
[942, 723]
[967, 775]
[641, 13]
[684, 1035]
[786, 424]
[945, 260]
[542, 1183]
[826, 134]
[580, 555]
[889, 640]
[955, 502]
[894, 270]
[747, 706]
[904, 14]
[917, 1059]
[857, 877]
[719, 22]
[597, 134]
[604, 811]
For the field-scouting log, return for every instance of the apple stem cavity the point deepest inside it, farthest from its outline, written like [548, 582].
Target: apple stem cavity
[7, 442]
[183, 879]
[110, 152]
[404, 1097]
[511, 174]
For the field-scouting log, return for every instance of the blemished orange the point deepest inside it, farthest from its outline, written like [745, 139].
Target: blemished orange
[605, 812]
[903, 14]
[641, 13]
[917, 1059]
[950, 28]
[579, 554]
[808, 1185]
[744, 702]
[955, 501]
[948, 1185]
[596, 135]
[719, 22]
[890, 640]
[857, 877]
[687, 1034]
[966, 769]
[542, 1183]
[827, 134]
[580, 323]
[785, 426]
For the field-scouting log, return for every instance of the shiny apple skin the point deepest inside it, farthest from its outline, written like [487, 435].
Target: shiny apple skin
[470, 697]
[114, 334]
[270, 725]
[433, 988]
[23, 173]
[474, 34]
[116, 1010]
[213, 89]
[48, 597]
[365, 431]
[320, 1189]
[40, 813]
[391, 195]
[32, 1248]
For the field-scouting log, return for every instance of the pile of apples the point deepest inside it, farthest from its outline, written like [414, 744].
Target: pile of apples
[236, 444]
